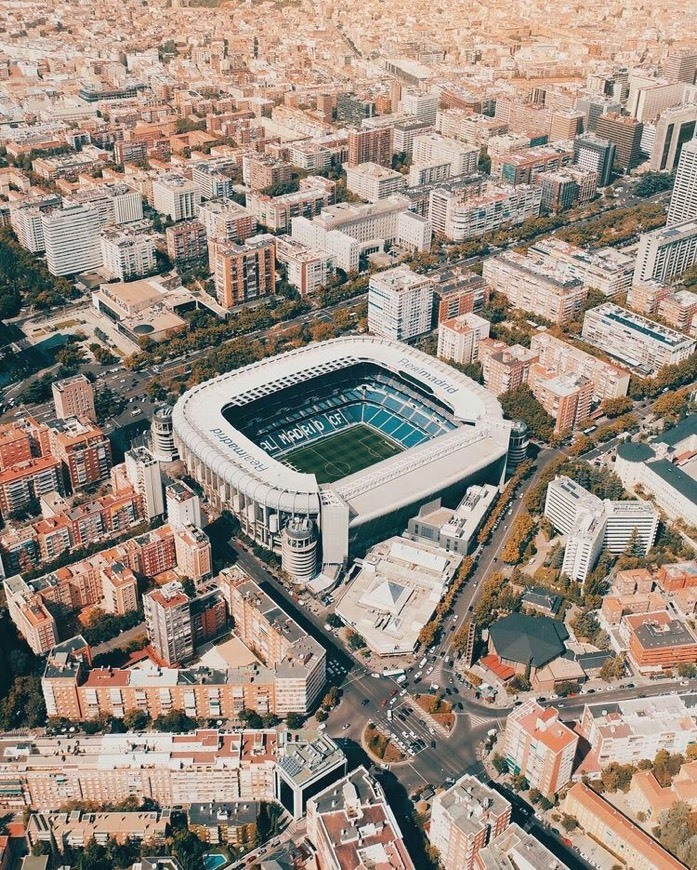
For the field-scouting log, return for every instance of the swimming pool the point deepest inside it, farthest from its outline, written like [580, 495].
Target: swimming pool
[213, 861]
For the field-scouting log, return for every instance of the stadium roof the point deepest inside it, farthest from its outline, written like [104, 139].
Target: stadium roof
[533, 640]
[199, 423]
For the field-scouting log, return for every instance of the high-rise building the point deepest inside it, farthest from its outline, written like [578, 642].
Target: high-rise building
[421, 106]
[25, 482]
[193, 550]
[211, 180]
[400, 304]
[596, 154]
[464, 819]
[72, 239]
[373, 182]
[433, 148]
[505, 367]
[83, 449]
[683, 199]
[244, 272]
[459, 337]
[308, 270]
[187, 243]
[606, 269]
[666, 252]
[26, 220]
[681, 65]
[566, 124]
[674, 128]
[175, 196]
[168, 620]
[648, 97]
[565, 397]
[538, 746]
[74, 397]
[625, 134]
[143, 472]
[183, 506]
[226, 220]
[594, 107]
[370, 146]
[162, 444]
[127, 253]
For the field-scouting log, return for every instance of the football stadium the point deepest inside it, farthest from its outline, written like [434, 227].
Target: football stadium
[352, 435]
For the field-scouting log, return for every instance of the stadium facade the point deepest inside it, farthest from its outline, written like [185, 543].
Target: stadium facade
[353, 434]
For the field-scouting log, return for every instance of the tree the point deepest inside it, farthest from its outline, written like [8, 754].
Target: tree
[520, 404]
[499, 763]
[321, 715]
[334, 620]
[176, 721]
[567, 688]
[612, 669]
[294, 720]
[355, 641]
[518, 539]
[687, 669]
[136, 720]
[568, 822]
[428, 634]
[71, 356]
[251, 718]
[616, 407]
[617, 777]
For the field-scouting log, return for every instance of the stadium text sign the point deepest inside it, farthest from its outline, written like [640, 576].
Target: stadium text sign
[240, 451]
[428, 376]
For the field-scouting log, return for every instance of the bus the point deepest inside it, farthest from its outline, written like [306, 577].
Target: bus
[399, 672]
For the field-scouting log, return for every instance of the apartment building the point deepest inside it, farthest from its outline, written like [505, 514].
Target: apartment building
[608, 270]
[475, 129]
[260, 171]
[624, 132]
[458, 291]
[141, 470]
[566, 124]
[193, 551]
[308, 270]
[175, 196]
[200, 767]
[638, 728]
[459, 338]
[525, 167]
[464, 820]
[72, 397]
[434, 148]
[26, 481]
[615, 832]
[371, 181]
[535, 284]
[400, 304]
[666, 252]
[404, 131]
[71, 238]
[538, 746]
[420, 105]
[15, 444]
[117, 203]
[211, 179]
[226, 220]
[127, 253]
[76, 828]
[370, 146]
[26, 220]
[608, 381]
[566, 188]
[678, 309]
[83, 450]
[565, 397]
[350, 823]
[276, 212]
[168, 620]
[186, 243]
[461, 215]
[658, 641]
[636, 341]
[504, 367]
[183, 506]
[244, 272]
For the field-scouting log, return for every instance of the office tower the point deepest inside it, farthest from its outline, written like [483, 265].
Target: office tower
[162, 444]
[83, 449]
[400, 304]
[74, 397]
[243, 272]
[683, 199]
[143, 471]
[625, 133]
[370, 146]
[187, 243]
[127, 254]
[594, 153]
[681, 65]
[667, 251]
[648, 97]
[674, 128]
[593, 108]
[464, 819]
[183, 506]
[566, 124]
[167, 613]
[640, 343]
[175, 196]
[538, 746]
[459, 337]
[71, 237]
[422, 106]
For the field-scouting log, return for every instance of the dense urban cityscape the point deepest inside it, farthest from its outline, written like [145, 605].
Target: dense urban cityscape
[348, 435]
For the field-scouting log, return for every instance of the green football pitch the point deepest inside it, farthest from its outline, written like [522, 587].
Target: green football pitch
[341, 454]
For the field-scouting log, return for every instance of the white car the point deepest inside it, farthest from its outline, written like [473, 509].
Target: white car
[429, 671]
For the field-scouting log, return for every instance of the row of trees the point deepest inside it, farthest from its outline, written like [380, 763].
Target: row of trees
[25, 280]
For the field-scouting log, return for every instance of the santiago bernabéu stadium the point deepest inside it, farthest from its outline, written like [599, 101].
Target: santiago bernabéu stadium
[332, 447]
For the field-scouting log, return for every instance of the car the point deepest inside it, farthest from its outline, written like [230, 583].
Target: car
[429, 670]
[590, 691]
[322, 726]
[433, 744]
[377, 676]
[345, 726]
[684, 682]
[365, 701]
[417, 675]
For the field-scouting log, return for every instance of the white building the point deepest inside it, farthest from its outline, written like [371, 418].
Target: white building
[467, 216]
[453, 530]
[211, 180]
[183, 506]
[459, 337]
[117, 203]
[400, 304]
[434, 148]
[72, 239]
[428, 173]
[127, 253]
[175, 196]
[373, 182]
[422, 106]
[395, 592]
[226, 220]
[26, 221]
[592, 525]
[683, 199]
[666, 252]
[607, 269]
[144, 473]
[640, 343]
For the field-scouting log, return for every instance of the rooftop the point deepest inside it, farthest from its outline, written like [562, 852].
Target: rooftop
[533, 640]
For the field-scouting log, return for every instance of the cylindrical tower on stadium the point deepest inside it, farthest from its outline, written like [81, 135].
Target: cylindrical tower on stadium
[299, 549]
[162, 435]
[517, 446]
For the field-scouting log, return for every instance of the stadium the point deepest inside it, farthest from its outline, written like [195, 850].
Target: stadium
[353, 434]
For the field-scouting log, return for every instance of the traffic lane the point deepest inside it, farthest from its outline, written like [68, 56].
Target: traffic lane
[572, 708]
